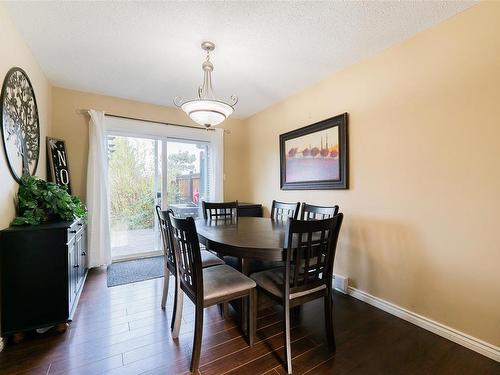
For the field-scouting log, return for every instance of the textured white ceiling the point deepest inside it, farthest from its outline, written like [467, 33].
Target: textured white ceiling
[266, 51]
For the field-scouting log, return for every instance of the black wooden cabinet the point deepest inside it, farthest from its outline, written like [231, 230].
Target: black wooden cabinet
[249, 209]
[42, 271]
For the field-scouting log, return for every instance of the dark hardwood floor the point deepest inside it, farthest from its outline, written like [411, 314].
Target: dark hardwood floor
[122, 330]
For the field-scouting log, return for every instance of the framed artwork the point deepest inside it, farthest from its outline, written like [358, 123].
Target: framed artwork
[58, 171]
[315, 157]
[20, 124]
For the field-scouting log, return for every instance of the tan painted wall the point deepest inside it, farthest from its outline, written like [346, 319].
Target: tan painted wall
[425, 152]
[72, 126]
[422, 221]
[14, 52]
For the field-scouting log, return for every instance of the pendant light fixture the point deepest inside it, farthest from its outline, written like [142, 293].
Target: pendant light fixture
[206, 110]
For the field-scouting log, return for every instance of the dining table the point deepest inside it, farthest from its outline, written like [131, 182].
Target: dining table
[246, 238]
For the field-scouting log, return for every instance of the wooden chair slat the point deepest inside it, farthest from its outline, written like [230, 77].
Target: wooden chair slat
[283, 210]
[312, 212]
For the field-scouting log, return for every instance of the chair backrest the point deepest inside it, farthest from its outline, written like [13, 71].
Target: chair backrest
[284, 211]
[310, 212]
[187, 254]
[168, 252]
[311, 247]
[220, 211]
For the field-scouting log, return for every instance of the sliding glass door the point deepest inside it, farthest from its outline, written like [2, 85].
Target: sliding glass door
[145, 172]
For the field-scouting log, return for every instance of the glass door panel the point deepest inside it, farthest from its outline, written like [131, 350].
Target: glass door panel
[186, 171]
[135, 188]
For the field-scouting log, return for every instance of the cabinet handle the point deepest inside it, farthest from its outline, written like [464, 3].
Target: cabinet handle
[84, 253]
[72, 231]
[76, 266]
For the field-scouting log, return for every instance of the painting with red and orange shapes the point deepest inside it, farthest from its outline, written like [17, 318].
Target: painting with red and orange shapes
[313, 157]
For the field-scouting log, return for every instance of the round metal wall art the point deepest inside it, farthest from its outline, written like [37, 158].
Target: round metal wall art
[20, 124]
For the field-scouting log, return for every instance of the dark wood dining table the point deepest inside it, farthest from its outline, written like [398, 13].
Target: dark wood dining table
[247, 238]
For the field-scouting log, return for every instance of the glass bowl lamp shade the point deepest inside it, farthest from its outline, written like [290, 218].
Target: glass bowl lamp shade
[207, 112]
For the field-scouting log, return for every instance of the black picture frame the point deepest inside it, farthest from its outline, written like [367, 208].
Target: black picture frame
[57, 163]
[342, 182]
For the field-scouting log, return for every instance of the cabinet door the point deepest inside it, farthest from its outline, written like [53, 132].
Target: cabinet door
[80, 257]
[76, 266]
[83, 252]
[71, 272]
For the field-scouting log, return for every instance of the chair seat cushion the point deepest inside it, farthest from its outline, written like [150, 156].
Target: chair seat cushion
[272, 281]
[208, 259]
[219, 281]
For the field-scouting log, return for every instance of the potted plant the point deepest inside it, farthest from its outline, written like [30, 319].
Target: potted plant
[40, 201]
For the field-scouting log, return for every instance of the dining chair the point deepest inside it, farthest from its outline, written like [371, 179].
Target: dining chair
[206, 286]
[307, 275]
[283, 210]
[311, 212]
[220, 210]
[207, 260]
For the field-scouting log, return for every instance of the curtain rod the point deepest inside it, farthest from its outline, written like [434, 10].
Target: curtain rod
[85, 111]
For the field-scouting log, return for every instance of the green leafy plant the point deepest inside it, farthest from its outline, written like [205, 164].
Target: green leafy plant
[40, 201]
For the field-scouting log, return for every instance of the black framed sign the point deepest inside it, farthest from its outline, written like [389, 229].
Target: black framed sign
[58, 163]
[315, 157]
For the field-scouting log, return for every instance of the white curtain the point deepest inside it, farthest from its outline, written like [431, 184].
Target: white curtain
[99, 244]
[216, 181]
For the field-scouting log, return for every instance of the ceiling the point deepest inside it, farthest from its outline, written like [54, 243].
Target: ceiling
[266, 51]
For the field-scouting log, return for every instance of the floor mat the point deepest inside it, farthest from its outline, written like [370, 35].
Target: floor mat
[132, 271]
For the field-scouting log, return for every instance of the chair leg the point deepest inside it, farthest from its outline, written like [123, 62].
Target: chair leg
[224, 310]
[288, 345]
[330, 334]
[244, 315]
[177, 314]
[252, 316]
[220, 306]
[176, 302]
[166, 279]
[198, 332]
[295, 311]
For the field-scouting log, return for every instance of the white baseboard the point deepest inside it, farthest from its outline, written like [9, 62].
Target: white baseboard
[479, 346]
